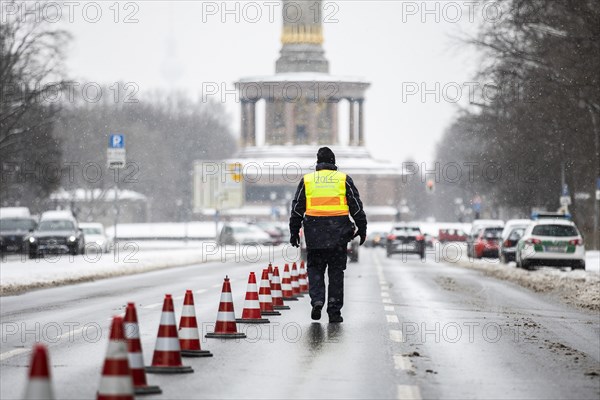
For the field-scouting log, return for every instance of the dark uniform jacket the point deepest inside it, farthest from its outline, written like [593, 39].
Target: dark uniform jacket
[328, 232]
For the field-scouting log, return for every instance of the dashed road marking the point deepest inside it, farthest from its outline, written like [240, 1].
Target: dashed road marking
[408, 392]
[217, 285]
[387, 300]
[199, 291]
[12, 353]
[388, 308]
[153, 305]
[402, 362]
[385, 294]
[392, 319]
[396, 335]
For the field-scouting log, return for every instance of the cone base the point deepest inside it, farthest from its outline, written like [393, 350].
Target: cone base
[184, 369]
[270, 313]
[281, 307]
[289, 299]
[299, 295]
[196, 353]
[213, 335]
[141, 390]
[252, 321]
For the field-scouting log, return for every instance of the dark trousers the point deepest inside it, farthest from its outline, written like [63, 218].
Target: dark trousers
[334, 261]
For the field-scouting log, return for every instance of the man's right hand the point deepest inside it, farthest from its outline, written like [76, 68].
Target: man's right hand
[363, 237]
[295, 240]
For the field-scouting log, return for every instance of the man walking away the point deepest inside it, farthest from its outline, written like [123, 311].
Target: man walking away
[324, 201]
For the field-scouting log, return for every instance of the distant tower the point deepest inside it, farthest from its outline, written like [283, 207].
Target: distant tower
[302, 98]
[302, 38]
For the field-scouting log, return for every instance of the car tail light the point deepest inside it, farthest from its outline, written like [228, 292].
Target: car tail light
[576, 242]
[533, 241]
[506, 243]
[391, 237]
[420, 238]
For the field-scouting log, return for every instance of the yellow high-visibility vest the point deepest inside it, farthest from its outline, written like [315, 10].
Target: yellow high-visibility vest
[326, 193]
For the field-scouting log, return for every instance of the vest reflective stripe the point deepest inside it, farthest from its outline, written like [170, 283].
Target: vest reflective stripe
[326, 193]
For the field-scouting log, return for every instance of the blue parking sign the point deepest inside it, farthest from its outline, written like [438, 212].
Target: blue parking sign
[117, 141]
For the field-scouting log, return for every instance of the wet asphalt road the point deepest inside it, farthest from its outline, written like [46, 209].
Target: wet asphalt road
[412, 329]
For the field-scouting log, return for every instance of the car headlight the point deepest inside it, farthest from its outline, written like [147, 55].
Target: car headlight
[31, 239]
[72, 238]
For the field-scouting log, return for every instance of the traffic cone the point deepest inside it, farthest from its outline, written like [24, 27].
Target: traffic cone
[226, 328]
[189, 339]
[135, 353]
[264, 295]
[296, 281]
[276, 292]
[286, 285]
[116, 382]
[39, 385]
[251, 313]
[167, 353]
[303, 280]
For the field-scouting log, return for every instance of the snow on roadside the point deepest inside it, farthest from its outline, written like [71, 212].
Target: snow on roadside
[578, 288]
[19, 274]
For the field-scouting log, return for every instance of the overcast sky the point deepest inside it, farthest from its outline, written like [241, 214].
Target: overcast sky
[182, 44]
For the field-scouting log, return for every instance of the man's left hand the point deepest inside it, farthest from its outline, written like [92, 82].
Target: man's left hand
[363, 237]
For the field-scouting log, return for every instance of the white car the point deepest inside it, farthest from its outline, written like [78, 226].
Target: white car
[242, 233]
[95, 237]
[551, 242]
[510, 237]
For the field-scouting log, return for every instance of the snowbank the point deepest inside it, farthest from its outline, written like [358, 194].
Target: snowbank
[578, 288]
[19, 274]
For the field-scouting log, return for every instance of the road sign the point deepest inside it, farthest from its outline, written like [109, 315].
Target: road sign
[565, 200]
[218, 185]
[116, 141]
[115, 154]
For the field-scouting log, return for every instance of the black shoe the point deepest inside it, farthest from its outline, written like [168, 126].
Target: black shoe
[335, 318]
[316, 311]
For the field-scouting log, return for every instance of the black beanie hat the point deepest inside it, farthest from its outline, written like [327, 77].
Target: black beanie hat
[325, 155]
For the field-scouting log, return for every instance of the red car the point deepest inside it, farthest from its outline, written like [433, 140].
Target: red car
[485, 244]
[451, 235]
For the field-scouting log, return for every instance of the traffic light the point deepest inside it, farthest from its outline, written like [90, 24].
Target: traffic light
[430, 186]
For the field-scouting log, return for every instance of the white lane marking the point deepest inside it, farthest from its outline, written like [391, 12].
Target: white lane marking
[217, 285]
[387, 300]
[199, 291]
[402, 362]
[392, 319]
[388, 308]
[385, 294]
[408, 392]
[70, 333]
[12, 353]
[178, 298]
[396, 335]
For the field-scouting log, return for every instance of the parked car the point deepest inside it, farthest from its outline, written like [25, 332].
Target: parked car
[551, 242]
[451, 235]
[477, 228]
[242, 233]
[512, 232]
[58, 232]
[94, 234]
[15, 224]
[405, 239]
[275, 231]
[485, 243]
[375, 239]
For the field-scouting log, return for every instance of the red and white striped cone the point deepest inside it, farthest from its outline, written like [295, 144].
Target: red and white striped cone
[296, 281]
[305, 275]
[116, 382]
[189, 338]
[270, 270]
[286, 285]
[303, 279]
[276, 292]
[167, 352]
[226, 328]
[135, 353]
[39, 385]
[264, 295]
[251, 313]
